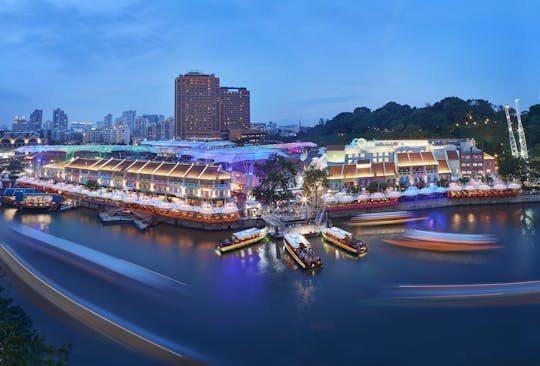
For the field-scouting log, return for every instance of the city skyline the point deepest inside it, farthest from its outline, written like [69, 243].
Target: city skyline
[301, 61]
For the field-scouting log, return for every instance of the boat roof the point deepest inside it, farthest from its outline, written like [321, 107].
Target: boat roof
[296, 239]
[384, 214]
[340, 233]
[12, 191]
[247, 232]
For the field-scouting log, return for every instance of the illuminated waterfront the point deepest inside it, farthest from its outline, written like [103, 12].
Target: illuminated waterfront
[255, 306]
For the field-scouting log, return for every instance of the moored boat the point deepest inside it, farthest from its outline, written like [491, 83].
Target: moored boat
[300, 249]
[37, 201]
[384, 218]
[434, 236]
[344, 240]
[241, 239]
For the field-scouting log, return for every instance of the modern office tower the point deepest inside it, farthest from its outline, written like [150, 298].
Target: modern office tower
[60, 119]
[35, 120]
[234, 104]
[196, 106]
[19, 124]
[108, 121]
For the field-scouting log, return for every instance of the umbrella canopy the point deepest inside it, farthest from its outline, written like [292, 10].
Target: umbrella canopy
[377, 196]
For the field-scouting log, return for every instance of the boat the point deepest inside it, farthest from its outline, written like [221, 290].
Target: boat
[300, 249]
[344, 240]
[440, 246]
[37, 201]
[241, 239]
[384, 218]
[434, 236]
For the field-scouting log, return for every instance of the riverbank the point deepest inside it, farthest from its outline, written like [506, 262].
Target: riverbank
[85, 315]
[242, 223]
[439, 203]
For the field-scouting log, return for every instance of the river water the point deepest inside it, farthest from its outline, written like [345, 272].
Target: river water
[256, 307]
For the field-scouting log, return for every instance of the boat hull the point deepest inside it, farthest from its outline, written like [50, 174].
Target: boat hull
[240, 245]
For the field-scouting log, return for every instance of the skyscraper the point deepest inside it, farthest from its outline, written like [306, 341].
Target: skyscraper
[60, 119]
[35, 120]
[108, 121]
[196, 106]
[234, 103]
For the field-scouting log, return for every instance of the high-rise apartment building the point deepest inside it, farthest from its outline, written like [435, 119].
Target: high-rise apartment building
[196, 106]
[60, 119]
[36, 119]
[234, 105]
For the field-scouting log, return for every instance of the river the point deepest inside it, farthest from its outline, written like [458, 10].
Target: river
[256, 307]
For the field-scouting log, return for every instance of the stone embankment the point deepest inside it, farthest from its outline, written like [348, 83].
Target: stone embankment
[440, 203]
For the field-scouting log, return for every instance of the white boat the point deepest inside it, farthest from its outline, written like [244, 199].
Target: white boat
[241, 239]
[344, 240]
[300, 249]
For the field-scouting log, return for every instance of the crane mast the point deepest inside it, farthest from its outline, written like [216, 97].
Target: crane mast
[521, 135]
[513, 145]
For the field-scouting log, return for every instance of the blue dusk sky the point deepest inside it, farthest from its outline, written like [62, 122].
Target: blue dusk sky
[301, 60]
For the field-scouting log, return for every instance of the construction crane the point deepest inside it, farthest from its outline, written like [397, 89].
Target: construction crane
[523, 153]
[513, 145]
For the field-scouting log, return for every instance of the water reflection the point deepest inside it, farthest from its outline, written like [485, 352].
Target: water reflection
[305, 291]
[9, 213]
[36, 219]
[528, 222]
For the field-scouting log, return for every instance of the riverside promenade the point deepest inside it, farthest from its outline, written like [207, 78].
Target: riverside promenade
[439, 203]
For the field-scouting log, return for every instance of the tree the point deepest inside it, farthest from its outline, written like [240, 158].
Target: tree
[20, 344]
[92, 184]
[276, 176]
[314, 180]
[15, 166]
[376, 186]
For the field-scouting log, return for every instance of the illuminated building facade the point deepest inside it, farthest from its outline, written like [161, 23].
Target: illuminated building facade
[194, 182]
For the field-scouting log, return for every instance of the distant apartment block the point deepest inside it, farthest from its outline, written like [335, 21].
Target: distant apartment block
[19, 124]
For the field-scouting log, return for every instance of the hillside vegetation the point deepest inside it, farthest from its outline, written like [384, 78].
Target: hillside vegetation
[451, 117]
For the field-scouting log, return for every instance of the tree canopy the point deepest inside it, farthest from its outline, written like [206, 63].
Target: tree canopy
[276, 177]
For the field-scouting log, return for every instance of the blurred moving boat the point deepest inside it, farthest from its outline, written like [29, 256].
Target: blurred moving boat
[435, 236]
[300, 249]
[445, 242]
[440, 247]
[384, 218]
[344, 240]
[241, 239]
